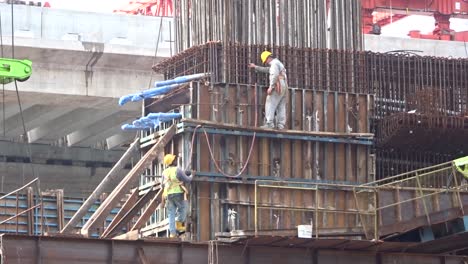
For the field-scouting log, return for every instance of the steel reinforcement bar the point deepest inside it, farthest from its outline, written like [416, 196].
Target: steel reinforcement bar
[400, 82]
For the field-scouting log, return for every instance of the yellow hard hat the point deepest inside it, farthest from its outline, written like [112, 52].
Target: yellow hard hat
[264, 56]
[168, 159]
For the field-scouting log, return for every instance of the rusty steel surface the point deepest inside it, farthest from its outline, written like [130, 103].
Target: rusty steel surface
[319, 156]
[423, 132]
[420, 198]
[319, 69]
[337, 152]
[33, 249]
[423, 96]
[287, 208]
[307, 110]
[401, 82]
[390, 161]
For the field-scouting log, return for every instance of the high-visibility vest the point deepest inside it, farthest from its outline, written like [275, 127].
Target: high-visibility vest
[172, 184]
[461, 165]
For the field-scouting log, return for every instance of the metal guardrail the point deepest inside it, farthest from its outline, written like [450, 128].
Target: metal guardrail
[319, 208]
[24, 212]
[418, 193]
[431, 182]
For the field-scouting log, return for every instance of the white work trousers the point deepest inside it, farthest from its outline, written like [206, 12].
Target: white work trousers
[276, 103]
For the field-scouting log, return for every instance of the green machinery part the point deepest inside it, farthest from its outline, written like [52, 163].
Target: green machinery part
[11, 69]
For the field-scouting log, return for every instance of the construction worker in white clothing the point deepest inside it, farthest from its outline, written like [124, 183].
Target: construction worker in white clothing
[277, 90]
[176, 194]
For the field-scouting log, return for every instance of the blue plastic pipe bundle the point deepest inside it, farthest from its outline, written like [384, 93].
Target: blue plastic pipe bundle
[162, 87]
[152, 120]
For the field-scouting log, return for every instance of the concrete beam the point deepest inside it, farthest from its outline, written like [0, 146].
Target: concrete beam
[58, 124]
[79, 71]
[45, 153]
[12, 109]
[119, 139]
[86, 118]
[97, 130]
[69, 122]
[32, 123]
[102, 136]
[29, 98]
[29, 114]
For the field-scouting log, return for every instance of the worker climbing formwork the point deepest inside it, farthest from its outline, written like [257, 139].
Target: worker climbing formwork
[175, 194]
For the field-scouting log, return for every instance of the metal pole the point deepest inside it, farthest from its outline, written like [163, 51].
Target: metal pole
[457, 190]
[423, 200]
[255, 209]
[316, 212]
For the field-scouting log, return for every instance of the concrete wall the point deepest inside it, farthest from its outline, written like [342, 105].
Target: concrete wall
[438, 48]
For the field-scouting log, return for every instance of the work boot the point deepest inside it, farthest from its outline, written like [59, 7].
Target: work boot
[180, 227]
[280, 127]
[267, 126]
[172, 235]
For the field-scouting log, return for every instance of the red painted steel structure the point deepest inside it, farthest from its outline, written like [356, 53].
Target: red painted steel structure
[148, 8]
[442, 10]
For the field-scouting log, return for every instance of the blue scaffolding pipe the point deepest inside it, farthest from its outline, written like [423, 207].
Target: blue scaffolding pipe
[161, 88]
[181, 79]
[154, 92]
[220, 131]
[152, 120]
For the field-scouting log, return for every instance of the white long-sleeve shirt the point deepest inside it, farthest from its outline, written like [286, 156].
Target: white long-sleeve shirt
[275, 69]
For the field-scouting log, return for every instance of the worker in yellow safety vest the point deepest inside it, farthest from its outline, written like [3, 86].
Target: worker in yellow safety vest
[277, 90]
[175, 193]
[461, 165]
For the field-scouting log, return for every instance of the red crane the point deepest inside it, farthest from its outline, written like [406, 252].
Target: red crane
[442, 10]
[374, 13]
[148, 8]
